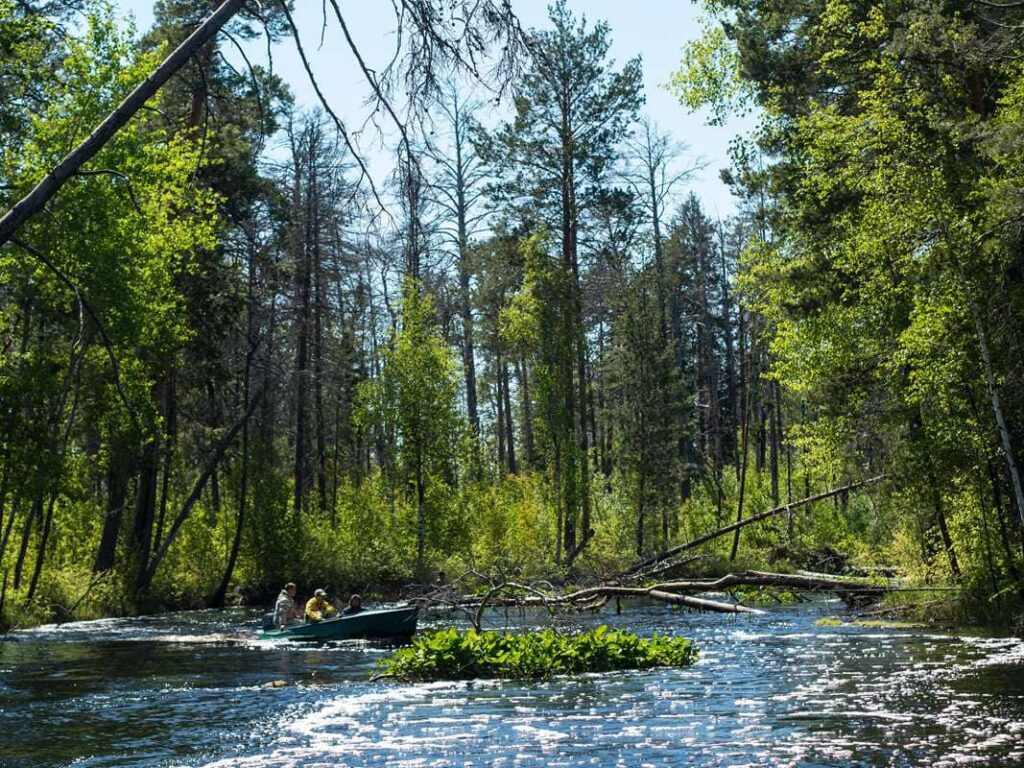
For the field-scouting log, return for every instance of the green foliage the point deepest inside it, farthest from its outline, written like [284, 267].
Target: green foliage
[893, 197]
[711, 76]
[413, 403]
[452, 654]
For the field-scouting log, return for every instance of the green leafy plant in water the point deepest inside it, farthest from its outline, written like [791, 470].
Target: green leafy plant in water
[451, 654]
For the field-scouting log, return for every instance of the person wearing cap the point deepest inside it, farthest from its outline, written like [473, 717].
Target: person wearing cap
[355, 605]
[318, 609]
[286, 612]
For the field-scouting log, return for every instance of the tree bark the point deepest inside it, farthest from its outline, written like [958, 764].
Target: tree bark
[997, 406]
[744, 451]
[118, 472]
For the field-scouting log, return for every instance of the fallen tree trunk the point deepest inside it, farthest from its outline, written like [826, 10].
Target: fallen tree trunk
[673, 551]
[672, 592]
[35, 200]
[813, 583]
[584, 598]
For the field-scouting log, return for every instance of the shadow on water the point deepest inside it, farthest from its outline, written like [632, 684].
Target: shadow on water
[200, 689]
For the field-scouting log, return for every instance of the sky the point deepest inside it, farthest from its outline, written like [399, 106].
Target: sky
[656, 30]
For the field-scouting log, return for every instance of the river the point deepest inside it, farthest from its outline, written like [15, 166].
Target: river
[198, 689]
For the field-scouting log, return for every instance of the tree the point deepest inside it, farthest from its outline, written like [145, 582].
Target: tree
[456, 190]
[415, 400]
[883, 287]
[555, 162]
[112, 248]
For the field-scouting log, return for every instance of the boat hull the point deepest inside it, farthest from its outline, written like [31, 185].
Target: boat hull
[389, 623]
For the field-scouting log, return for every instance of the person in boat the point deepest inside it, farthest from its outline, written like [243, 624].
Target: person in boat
[286, 611]
[355, 605]
[318, 608]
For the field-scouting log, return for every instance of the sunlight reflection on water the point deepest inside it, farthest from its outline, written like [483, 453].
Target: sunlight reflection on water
[193, 690]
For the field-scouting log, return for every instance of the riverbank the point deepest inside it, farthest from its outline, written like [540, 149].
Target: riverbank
[939, 605]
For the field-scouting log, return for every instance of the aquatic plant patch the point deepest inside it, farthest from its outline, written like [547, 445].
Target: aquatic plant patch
[452, 654]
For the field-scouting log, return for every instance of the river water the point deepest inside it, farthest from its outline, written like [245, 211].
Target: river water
[198, 689]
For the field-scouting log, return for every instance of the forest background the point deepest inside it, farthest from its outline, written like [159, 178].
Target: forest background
[229, 359]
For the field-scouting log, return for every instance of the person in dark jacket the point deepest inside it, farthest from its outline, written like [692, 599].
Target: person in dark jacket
[355, 605]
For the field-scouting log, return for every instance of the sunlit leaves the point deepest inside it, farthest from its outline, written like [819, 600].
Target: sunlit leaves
[451, 654]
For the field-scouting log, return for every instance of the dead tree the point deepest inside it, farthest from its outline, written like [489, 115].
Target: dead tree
[784, 509]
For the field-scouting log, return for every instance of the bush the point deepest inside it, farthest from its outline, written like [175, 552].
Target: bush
[452, 654]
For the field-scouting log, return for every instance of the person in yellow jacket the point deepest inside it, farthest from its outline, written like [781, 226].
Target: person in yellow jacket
[318, 609]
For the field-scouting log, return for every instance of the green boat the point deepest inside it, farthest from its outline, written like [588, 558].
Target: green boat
[386, 623]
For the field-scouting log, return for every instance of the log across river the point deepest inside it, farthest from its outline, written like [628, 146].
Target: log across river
[198, 689]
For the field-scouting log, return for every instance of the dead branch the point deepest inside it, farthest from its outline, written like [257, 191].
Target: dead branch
[674, 592]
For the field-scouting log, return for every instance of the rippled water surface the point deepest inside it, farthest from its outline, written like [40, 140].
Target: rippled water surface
[198, 689]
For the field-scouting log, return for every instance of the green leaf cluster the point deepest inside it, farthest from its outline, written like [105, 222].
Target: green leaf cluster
[453, 654]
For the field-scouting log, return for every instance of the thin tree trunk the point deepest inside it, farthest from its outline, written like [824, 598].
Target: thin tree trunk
[44, 537]
[745, 434]
[171, 428]
[997, 407]
[300, 247]
[940, 518]
[145, 504]
[509, 426]
[776, 438]
[421, 519]
[217, 599]
[35, 515]
[558, 504]
[186, 509]
[523, 374]
[500, 411]
[719, 532]
[117, 490]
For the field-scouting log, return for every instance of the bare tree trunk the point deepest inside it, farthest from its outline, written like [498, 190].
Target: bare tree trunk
[171, 430]
[940, 518]
[217, 598]
[318, 343]
[785, 509]
[117, 490]
[776, 438]
[301, 255]
[145, 504]
[729, 424]
[186, 509]
[421, 518]
[559, 515]
[509, 426]
[744, 440]
[35, 515]
[523, 375]
[500, 411]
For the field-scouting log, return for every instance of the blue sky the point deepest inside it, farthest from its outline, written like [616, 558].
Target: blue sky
[654, 29]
